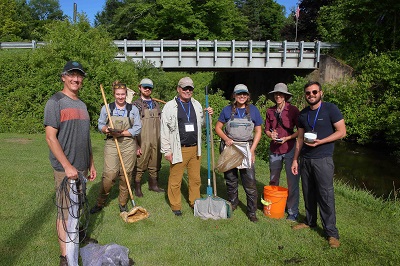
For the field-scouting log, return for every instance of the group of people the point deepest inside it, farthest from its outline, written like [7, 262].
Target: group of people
[144, 132]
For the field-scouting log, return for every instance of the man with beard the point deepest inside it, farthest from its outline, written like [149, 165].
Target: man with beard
[325, 121]
[148, 141]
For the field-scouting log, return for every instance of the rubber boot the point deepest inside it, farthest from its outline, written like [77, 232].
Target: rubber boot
[249, 185]
[153, 185]
[138, 189]
[231, 180]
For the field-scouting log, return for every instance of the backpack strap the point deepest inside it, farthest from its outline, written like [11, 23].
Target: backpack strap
[112, 106]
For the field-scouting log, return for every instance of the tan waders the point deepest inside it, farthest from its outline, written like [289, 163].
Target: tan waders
[112, 164]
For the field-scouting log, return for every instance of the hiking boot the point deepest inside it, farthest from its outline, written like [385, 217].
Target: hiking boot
[96, 209]
[333, 242]
[177, 212]
[138, 189]
[123, 208]
[63, 261]
[252, 217]
[300, 226]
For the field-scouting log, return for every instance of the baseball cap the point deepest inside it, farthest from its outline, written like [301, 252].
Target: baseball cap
[185, 82]
[240, 88]
[146, 83]
[73, 65]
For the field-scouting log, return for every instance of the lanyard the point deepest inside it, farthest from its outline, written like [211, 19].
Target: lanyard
[239, 114]
[183, 107]
[315, 119]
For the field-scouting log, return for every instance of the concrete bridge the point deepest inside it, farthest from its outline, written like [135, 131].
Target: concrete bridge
[219, 55]
[214, 55]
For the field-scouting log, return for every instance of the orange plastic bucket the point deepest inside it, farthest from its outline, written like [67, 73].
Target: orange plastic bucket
[275, 201]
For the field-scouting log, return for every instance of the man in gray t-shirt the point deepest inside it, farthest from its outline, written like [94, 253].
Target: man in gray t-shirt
[67, 125]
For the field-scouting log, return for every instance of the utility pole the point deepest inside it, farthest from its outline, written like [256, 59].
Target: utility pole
[75, 10]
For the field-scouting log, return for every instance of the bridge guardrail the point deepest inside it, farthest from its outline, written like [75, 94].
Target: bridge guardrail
[158, 50]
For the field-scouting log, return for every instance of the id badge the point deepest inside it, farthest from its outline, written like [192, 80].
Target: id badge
[189, 127]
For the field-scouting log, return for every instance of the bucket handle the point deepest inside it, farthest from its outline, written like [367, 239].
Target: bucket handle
[267, 203]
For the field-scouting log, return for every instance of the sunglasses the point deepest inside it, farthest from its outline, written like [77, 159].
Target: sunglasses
[147, 88]
[187, 88]
[119, 86]
[315, 92]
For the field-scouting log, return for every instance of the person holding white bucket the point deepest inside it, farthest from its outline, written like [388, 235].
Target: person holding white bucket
[242, 122]
[280, 122]
[320, 125]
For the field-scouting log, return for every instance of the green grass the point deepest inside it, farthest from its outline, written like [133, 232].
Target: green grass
[369, 227]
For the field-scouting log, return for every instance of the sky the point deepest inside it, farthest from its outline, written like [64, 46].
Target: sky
[91, 7]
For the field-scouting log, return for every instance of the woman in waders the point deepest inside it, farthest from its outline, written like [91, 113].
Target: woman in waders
[127, 126]
[242, 122]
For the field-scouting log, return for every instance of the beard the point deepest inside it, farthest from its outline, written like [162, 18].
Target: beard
[313, 101]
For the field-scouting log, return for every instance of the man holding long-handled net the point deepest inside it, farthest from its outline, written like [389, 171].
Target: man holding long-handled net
[181, 122]
[67, 125]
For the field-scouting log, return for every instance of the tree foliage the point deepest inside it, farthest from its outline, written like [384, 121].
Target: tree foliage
[192, 19]
[377, 32]
[266, 19]
[10, 25]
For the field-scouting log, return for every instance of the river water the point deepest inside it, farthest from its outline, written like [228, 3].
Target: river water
[366, 168]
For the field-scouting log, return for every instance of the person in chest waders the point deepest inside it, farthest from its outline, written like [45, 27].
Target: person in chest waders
[242, 122]
[127, 126]
[148, 141]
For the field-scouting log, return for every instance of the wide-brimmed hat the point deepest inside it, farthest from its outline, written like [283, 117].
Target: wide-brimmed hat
[282, 88]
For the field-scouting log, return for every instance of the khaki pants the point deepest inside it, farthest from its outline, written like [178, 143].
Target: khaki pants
[192, 163]
[62, 198]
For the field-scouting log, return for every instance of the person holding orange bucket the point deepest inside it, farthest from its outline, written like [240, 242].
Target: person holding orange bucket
[280, 122]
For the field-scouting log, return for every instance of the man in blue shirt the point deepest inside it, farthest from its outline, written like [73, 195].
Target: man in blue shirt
[324, 120]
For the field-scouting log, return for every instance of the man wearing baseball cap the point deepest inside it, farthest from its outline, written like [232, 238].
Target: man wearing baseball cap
[181, 121]
[67, 127]
[148, 141]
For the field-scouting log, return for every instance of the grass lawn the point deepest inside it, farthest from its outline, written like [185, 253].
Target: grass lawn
[369, 227]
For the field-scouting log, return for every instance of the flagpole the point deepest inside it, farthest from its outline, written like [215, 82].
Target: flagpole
[297, 14]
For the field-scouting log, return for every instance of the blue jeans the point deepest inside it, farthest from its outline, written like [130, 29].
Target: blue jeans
[275, 166]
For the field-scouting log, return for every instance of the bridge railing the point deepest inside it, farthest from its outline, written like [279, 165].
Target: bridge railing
[213, 53]
[132, 47]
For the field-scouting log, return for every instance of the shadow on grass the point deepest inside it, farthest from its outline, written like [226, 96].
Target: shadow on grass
[12, 247]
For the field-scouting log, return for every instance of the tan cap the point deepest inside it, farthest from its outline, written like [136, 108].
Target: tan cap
[185, 82]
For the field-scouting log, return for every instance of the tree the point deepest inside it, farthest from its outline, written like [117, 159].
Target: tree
[46, 9]
[265, 19]
[10, 25]
[378, 31]
[172, 19]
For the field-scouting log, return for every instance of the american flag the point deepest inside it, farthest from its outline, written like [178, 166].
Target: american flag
[297, 12]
